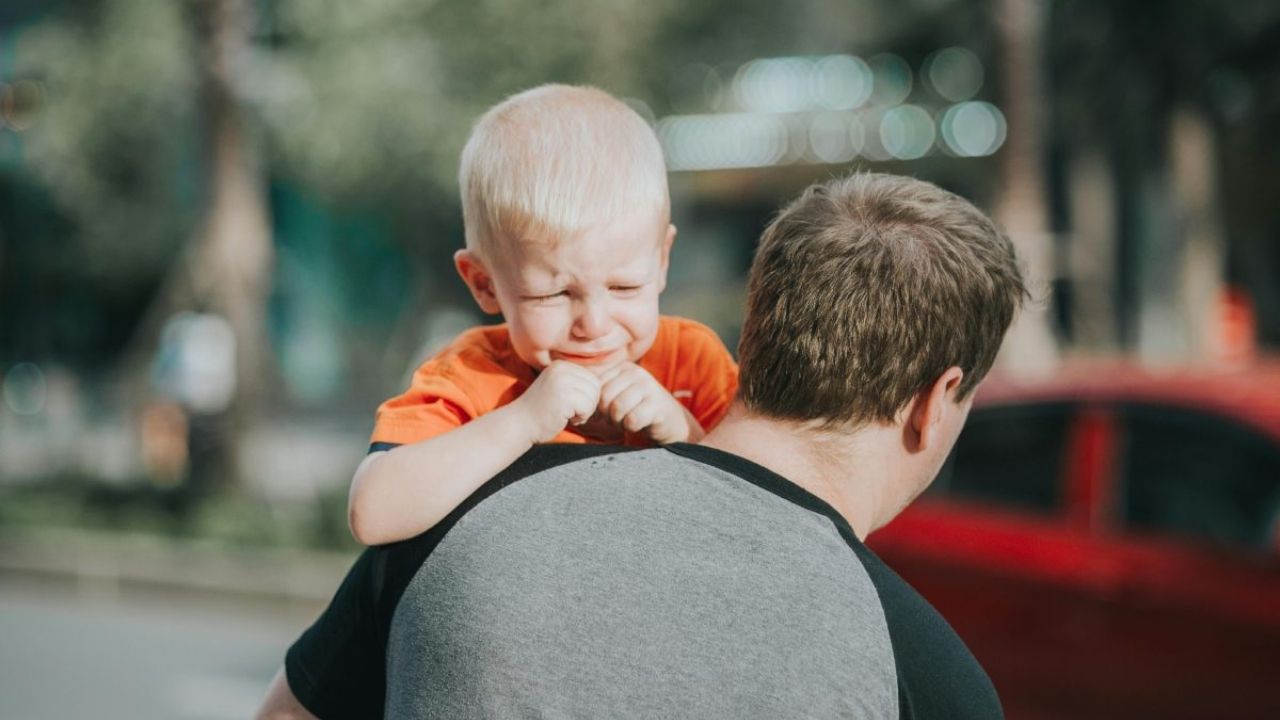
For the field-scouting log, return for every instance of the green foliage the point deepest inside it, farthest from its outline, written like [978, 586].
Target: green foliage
[372, 101]
[364, 104]
[114, 143]
[367, 102]
[230, 518]
[350, 96]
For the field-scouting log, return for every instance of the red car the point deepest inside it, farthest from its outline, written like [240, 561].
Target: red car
[1108, 543]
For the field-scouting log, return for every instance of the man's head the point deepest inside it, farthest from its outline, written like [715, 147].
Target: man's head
[564, 197]
[872, 298]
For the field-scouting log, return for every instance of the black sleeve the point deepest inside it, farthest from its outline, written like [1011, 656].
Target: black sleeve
[937, 675]
[337, 669]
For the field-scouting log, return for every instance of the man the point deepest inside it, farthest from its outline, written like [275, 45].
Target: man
[729, 578]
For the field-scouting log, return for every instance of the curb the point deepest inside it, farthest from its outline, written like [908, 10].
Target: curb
[119, 561]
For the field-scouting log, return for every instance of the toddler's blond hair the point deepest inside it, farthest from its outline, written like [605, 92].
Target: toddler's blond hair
[556, 159]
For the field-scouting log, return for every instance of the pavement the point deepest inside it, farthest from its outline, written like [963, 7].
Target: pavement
[104, 560]
[129, 627]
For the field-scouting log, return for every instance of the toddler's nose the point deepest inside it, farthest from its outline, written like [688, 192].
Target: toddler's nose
[592, 320]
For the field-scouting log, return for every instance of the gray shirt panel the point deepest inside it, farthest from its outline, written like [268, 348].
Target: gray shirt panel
[640, 585]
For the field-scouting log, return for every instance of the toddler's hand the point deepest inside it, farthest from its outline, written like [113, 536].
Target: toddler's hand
[633, 399]
[563, 393]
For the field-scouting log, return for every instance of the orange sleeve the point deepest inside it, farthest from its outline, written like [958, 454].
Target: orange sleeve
[706, 376]
[715, 383]
[433, 405]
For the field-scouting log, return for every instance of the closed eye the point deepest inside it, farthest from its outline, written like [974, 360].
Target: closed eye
[626, 289]
[551, 297]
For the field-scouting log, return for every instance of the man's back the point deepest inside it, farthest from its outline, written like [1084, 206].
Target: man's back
[661, 588]
[677, 582]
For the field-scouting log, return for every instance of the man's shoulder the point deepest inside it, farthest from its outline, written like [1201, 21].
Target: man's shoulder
[542, 458]
[539, 459]
[664, 472]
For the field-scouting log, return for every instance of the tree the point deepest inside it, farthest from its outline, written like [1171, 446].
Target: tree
[1022, 204]
[1175, 100]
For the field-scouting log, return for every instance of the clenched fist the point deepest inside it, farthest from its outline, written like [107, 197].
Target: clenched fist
[635, 401]
[563, 393]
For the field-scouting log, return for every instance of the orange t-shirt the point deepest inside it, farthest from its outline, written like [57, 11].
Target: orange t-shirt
[479, 372]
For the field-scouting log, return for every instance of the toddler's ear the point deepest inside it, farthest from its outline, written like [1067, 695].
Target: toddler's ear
[666, 254]
[479, 280]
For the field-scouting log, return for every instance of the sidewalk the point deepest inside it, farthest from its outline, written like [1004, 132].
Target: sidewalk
[117, 562]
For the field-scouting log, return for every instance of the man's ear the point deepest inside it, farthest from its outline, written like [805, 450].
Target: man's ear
[479, 280]
[665, 259]
[930, 407]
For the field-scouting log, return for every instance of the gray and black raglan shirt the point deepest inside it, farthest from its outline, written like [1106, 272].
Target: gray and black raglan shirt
[680, 582]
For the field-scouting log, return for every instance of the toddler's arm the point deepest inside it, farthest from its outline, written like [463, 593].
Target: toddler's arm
[281, 703]
[401, 493]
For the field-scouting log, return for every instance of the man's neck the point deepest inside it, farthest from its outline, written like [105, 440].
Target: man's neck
[843, 469]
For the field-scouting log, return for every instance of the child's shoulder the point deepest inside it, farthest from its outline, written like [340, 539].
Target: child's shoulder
[479, 347]
[680, 332]
[681, 341]
[491, 339]
[689, 359]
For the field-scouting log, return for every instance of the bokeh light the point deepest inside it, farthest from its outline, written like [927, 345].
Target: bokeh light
[828, 109]
[731, 140]
[843, 82]
[795, 139]
[892, 82]
[25, 389]
[713, 89]
[775, 85]
[954, 73]
[831, 139]
[872, 146]
[196, 362]
[907, 132]
[973, 129]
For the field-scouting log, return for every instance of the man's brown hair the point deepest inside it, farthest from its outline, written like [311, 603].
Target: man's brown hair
[864, 291]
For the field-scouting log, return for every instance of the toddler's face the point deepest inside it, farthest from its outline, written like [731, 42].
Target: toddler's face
[590, 298]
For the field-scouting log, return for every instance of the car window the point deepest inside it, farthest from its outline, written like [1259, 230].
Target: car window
[1009, 457]
[1199, 477]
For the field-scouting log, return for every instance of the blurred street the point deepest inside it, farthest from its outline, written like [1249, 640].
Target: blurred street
[103, 626]
[80, 651]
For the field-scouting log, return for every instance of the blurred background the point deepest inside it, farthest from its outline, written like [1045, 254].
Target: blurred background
[226, 230]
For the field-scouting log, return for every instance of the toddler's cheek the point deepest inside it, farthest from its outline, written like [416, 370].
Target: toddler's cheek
[642, 338]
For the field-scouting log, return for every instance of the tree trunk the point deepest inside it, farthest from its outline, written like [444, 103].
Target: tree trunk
[1022, 206]
[1091, 256]
[1200, 285]
[231, 268]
